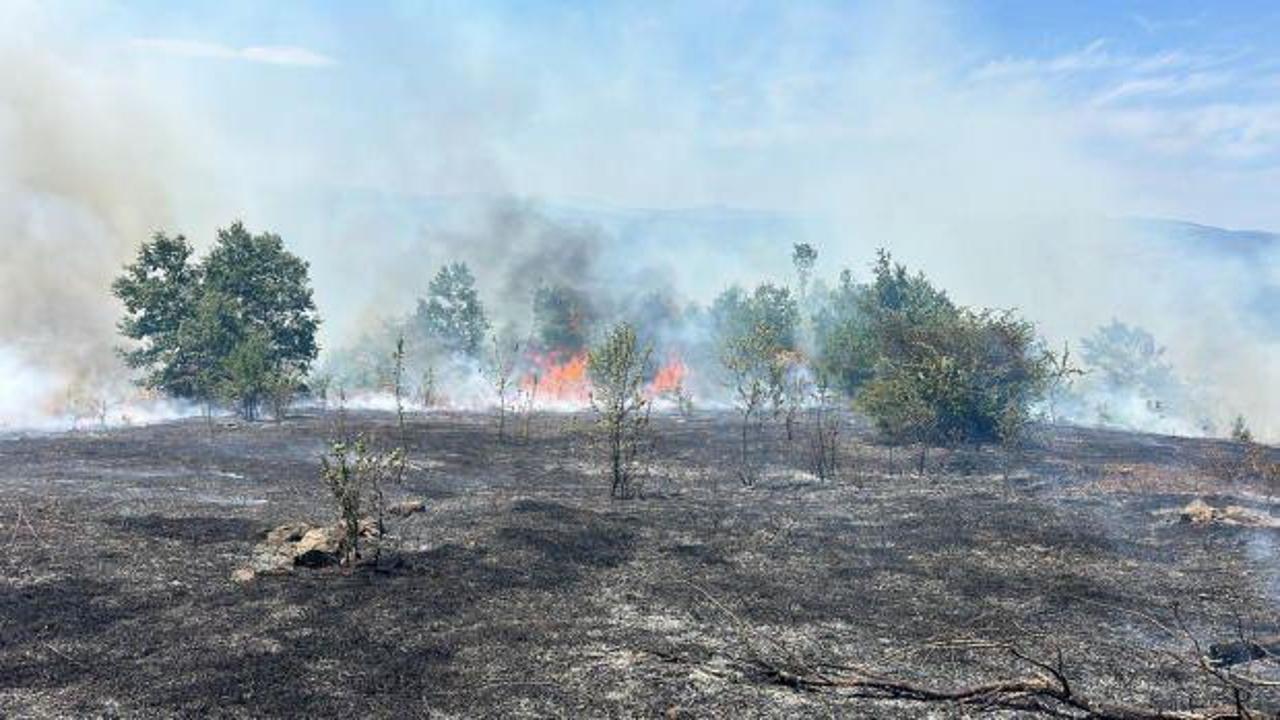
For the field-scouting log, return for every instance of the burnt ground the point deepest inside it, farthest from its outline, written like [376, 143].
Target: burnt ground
[524, 591]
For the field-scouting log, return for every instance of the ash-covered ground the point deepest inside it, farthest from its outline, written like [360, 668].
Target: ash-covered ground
[523, 590]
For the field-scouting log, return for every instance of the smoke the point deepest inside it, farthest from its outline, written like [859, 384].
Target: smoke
[624, 137]
[83, 164]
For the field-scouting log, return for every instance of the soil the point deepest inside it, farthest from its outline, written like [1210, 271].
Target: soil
[522, 590]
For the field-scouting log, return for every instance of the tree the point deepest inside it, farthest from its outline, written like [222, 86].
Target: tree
[617, 367]
[845, 343]
[190, 321]
[270, 289]
[803, 256]
[500, 370]
[160, 290]
[248, 374]
[562, 318]
[756, 335]
[452, 314]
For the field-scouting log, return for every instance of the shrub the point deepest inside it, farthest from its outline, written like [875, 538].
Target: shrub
[617, 367]
[356, 476]
[948, 374]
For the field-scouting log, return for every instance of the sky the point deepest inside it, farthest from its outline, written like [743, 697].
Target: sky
[1175, 106]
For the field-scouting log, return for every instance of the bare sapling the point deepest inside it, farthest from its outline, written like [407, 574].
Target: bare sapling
[824, 437]
[427, 393]
[397, 387]
[617, 367]
[501, 372]
[756, 377]
[530, 400]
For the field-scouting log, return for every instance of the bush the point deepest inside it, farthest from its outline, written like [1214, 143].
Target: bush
[947, 374]
[356, 476]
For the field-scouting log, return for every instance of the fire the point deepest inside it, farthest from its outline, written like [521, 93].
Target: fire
[558, 380]
[669, 378]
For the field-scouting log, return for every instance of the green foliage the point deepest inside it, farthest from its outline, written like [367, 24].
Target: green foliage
[247, 374]
[948, 374]
[617, 368]
[756, 336]
[562, 317]
[769, 313]
[160, 291]
[844, 336]
[803, 257]
[356, 476]
[1240, 430]
[240, 324]
[452, 314]
[270, 290]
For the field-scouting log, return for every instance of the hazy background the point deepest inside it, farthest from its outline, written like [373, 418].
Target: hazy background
[1016, 153]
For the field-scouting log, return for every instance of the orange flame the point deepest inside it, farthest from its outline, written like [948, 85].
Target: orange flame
[558, 381]
[669, 378]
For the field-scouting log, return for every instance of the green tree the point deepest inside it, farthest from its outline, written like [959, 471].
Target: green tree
[160, 290]
[241, 320]
[803, 257]
[452, 314]
[844, 337]
[248, 374]
[270, 288]
[946, 374]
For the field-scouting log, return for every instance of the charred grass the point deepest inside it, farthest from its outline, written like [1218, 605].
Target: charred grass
[524, 591]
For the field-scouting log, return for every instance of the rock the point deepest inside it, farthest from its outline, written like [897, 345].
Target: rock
[289, 532]
[407, 507]
[369, 528]
[272, 559]
[1197, 512]
[243, 575]
[318, 547]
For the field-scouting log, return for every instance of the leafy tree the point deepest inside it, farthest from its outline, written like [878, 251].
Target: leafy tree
[247, 373]
[240, 321]
[452, 314]
[756, 336]
[159, 291]
[845, 343]
[1126, 356]
[617, 367]
[562, 317]
[271, 291]
[769, 312]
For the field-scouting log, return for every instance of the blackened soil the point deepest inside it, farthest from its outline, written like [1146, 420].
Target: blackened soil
[525, 591]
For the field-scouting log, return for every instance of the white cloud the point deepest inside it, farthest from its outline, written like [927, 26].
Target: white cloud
[269, 54]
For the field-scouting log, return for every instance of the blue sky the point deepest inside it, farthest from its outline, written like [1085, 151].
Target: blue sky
[1148, 108]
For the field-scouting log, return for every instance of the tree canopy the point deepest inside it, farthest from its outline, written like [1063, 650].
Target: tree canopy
[227, 326]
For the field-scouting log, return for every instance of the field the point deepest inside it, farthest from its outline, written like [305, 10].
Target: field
[523, 590]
